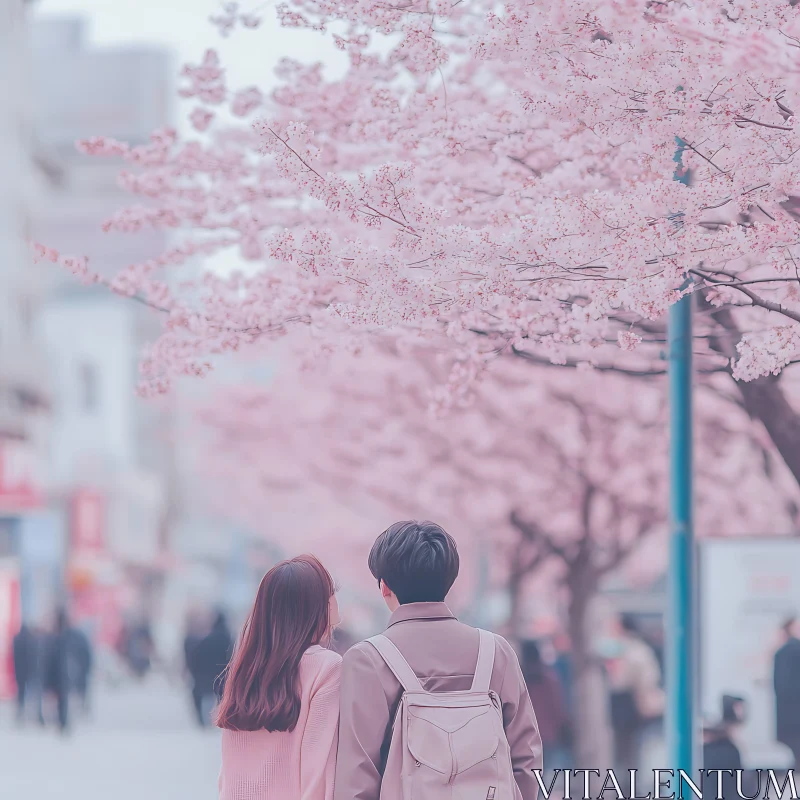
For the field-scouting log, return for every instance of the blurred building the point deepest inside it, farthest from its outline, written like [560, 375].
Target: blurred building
[124, 470]
[108, 454]
[24, 391]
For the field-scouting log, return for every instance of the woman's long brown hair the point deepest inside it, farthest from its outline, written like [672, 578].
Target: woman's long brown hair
[290, 614]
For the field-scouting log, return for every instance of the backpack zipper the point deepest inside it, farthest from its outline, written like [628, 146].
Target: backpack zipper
[454, 771]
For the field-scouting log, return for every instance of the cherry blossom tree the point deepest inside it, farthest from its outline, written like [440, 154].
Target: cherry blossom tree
[497, 181]
[500, 176]
[548, 468]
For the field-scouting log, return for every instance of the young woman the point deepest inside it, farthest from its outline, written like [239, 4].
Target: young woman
[280, 708]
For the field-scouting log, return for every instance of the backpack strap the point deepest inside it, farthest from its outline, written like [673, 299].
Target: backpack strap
[396, 663]
[485, 665]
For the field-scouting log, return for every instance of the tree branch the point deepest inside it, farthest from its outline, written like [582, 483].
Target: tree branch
[637, 373]
[533, 533]
[755, 299]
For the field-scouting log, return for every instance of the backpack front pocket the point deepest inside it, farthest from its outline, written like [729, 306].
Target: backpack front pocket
[450, 741]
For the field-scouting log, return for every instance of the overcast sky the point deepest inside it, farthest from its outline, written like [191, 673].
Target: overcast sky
[183, 26]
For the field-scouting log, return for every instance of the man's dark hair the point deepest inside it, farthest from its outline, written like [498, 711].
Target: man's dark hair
[418, 561]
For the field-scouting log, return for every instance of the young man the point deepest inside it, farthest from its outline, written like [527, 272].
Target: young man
[786, 668]
[415, 564]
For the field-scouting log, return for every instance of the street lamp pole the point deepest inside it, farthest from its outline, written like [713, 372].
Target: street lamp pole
[680, 629]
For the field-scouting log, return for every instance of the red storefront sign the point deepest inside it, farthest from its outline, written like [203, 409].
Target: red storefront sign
[19, 487]
[9, 625]
[87, 522]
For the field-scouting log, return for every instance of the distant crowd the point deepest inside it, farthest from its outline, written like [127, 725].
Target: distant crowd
[52, 666]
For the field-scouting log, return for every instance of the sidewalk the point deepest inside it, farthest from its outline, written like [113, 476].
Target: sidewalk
[140, 745]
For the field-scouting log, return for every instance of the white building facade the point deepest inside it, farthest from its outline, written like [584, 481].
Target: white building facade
[108, 452]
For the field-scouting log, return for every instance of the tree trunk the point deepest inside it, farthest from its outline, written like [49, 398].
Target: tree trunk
[592, 735]
[763, 398]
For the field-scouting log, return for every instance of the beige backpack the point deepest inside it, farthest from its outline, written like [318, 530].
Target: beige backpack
[447, 745]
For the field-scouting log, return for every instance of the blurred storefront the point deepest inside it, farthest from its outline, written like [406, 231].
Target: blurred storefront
[42, 549]
[31, 549]
[92, 579]
[24, 396]
[748, 588]
[10, 616]
[114, 563]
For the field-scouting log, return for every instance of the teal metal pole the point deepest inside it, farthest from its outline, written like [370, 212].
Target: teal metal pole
[680, 631]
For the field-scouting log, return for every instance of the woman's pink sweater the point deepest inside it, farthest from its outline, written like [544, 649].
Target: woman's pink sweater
[290, 765]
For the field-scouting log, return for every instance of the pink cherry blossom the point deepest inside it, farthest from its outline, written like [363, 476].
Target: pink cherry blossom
[557, 475]
[246, 101]
[201, 119]
[628, 340]
[504, 172]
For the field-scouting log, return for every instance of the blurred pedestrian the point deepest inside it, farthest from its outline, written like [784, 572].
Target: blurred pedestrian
[547, 697]
[720, 750]
[81, 664]
[656, 640]
[195, 632]
[207, 665]
[562, 665]
[139, 647]
[786, 680]
[57, 668]
[636, 696]
[27, 654]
